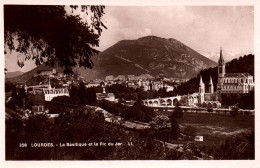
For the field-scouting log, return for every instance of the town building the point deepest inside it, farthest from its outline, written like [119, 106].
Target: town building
[50, 93]
[40, 93]
[201, 98]
[105, 96]
[38, 110]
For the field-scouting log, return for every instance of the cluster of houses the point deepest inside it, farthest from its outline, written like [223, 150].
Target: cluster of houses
[144, 81]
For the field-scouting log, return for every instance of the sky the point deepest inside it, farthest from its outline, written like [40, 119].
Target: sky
[203, 28]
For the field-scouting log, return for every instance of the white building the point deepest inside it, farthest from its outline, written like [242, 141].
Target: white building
[105, 96]
[50, 93]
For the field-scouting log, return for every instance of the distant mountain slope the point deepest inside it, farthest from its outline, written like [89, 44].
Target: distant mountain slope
[13, 74]
[28, 75]
[147, 55]
[153, 55]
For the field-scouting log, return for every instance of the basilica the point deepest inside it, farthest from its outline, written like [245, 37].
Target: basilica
[233, 82]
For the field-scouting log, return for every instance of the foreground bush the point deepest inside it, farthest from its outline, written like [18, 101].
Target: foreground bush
[240, 146]
[78, 128]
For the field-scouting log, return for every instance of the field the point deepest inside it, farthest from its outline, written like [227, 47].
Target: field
[214, 127]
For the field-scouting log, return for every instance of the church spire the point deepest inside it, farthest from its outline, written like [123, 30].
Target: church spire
[201, 82]
[201, 86]
[221, 60]
[210, 80]
[221, 65]
[211, 86]
[49, 85]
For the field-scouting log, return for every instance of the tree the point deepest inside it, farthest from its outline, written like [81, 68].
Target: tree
[78, 128]
[91, 96]
[178, 113]
[175, 129]
[21, 93]
[49, 34]
[162, 92]
[74, 95]
[111, 107]
[239, 146]
[60, 104]
[148, 112]
[133, 113]
[82, 94]
[160, 122]
[247, 101]
[9, 86]
[14, 100]
[55, 83]
[234, 112]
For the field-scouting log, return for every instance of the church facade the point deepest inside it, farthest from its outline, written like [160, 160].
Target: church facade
[233, 82]
[210, 99]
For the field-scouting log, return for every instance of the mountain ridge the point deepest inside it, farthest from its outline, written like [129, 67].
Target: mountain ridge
[150, 54]
[13, 74]
[162, 50]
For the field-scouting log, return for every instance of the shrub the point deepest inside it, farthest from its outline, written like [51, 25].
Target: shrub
[110, 107]
[133, 113]
[60, 104]
[210, 110]
[240, 146]
[160, 122]
[175, 129]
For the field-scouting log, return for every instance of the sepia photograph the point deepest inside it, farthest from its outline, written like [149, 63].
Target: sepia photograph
[106, 82]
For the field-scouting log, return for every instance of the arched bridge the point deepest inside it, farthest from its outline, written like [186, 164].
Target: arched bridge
[162, 102]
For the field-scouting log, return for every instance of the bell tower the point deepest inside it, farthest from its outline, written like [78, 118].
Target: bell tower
[211, 86]
[202, 86]
[201, 91]
[221, 65]
[221, 71]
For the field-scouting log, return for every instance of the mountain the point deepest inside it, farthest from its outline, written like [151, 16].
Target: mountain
[13, 74]
[147, 55]
[28, 75]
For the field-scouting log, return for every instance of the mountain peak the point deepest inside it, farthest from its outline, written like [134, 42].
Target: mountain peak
[149, 37]
[156, 56]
